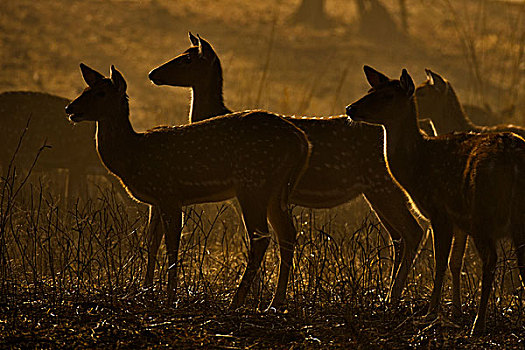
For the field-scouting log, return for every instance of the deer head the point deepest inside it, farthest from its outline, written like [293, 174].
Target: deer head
[385, 96]
[431, 96]
[102, 95]
[195, 64]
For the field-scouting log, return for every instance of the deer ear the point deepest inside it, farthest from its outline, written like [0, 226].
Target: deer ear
[374, 77]
[407, 83]
[205, 48]
[90, 75]
[193, 39]
[428, 73]
[118, 80]
[438, 81]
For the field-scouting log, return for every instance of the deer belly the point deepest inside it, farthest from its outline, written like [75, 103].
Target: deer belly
[325, 197]
[201, 191]
[327, 184]
[141, 195]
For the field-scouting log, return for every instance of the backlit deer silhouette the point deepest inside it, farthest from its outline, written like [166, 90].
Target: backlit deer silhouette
[437, 100]
[347, 158]
[71, 147]
[256, 157]
[466, 181]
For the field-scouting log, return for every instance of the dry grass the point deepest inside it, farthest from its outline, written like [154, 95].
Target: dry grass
[71, 275]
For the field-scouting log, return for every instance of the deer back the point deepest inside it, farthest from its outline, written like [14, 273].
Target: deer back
[71, 146]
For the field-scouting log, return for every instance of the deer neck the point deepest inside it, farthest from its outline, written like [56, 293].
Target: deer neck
[403, 138]
[454, 113]
[116, 140]
[207, 100]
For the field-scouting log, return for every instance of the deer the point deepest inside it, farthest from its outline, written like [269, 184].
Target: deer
[462, 181]
[69, 146]
[437, 100]
[347, 158]
[254, 156]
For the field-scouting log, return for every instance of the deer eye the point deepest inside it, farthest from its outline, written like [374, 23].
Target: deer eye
[188, 59]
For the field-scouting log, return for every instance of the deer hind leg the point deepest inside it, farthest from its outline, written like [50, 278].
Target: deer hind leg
[154, 236]
[442, 231]
[284, 228]
[172, 220]
[487, 251]
[255, 221]
[392, 210]
[456, 264]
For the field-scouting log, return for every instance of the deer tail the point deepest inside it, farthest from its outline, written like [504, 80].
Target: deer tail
[302, 155]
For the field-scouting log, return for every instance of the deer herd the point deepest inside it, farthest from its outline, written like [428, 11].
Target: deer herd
[467, 181]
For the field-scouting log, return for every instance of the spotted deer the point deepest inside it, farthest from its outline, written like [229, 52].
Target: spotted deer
[471, 182]
[347, 158]
[254, 156]
[71, 147]
[437, 100]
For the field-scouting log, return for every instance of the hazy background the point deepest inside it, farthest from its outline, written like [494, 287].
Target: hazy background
[310, 68]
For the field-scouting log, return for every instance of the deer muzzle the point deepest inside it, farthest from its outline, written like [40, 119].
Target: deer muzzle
[350, 111]
[153, 76]
[72, 115]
